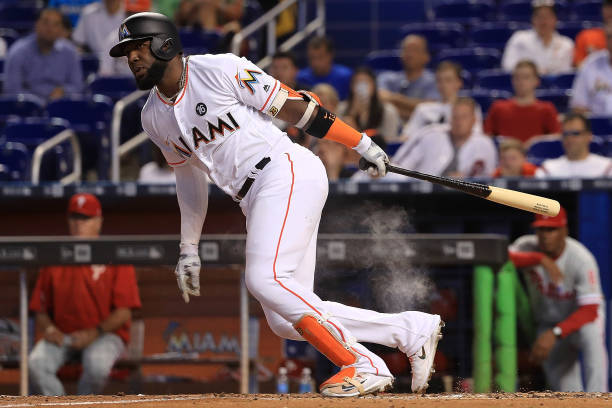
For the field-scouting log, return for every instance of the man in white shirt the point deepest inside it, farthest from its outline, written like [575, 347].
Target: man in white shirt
[550, 51]
[96, 33]
[456, 150]
[578, 161]
[592, 90]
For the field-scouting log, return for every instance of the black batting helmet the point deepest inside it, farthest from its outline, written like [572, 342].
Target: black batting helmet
[165, 41]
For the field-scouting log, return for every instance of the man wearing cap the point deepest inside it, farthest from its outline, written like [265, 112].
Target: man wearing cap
[563, 283]
[551, 52]
[81, 311]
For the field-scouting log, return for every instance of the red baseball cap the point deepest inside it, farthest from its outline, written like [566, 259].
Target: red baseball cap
[558, 221]
[85, 204]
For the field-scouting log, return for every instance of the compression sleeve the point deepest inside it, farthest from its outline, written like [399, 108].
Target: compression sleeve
[192, 195]
[583, 315]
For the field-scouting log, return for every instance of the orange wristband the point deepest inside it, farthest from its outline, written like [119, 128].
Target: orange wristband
[342, 133]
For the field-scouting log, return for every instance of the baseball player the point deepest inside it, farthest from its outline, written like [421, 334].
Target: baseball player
[211, 115]
[566, 299]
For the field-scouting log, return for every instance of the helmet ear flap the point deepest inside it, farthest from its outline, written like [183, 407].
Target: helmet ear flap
[163, 48]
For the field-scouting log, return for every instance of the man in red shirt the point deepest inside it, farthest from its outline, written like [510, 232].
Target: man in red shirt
[522, 116]
[81, 310]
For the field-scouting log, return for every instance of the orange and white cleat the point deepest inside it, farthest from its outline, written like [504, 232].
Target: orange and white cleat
[422, 361]
[348, 383]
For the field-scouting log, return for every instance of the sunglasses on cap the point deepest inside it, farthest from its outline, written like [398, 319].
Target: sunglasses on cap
[567, 133]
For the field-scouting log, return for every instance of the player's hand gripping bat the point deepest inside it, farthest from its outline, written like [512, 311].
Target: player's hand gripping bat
[516, 199]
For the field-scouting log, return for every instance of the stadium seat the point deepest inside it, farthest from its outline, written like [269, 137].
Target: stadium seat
[18, 17]
[495, 79]
[21, 105]
[9, 35]
[89, 64]
[598, 145]
[607, 146]
[586, 10]
[601, 125]
[485, 97]
[353, 11]
[1, 66]
[520, 10]
[15, 160]
[384, 60]
[494, 35]
[472, 59]
[558, 97]
[572, 28]
[401, 11]
[113, 87]
[198, 41]
[559, 81]
[464, 11]
[439, 35]
[544, 149]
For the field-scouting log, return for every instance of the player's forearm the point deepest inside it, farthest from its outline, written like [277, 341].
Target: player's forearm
[583, 315]
[43, 321]
[192, 195]
[525, 259]
[116, 319]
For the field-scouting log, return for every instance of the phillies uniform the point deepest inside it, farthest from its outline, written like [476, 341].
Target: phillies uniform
[552, 304]
[218, 127]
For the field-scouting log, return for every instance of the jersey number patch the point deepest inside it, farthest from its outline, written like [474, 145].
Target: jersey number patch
[220, 128]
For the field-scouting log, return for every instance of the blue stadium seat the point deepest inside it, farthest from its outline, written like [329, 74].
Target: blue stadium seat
[598, 145]
[200, 42]
[384, 60]
[15, 159]
[495, 79]
[472, 59]
[21, 105]
[439, 35]
[607, 146]
[572, 28]
[558, 81]
[544, 149]
[401, 11]
[1, 65]
[558, 97]
[349, 11]
[587, 10]
[89, 64]
[9, 35]
[485, 97]
[464, 11]
[601, 125]
[494, 35]
[520, 10]
[113, 87]
[18, 17]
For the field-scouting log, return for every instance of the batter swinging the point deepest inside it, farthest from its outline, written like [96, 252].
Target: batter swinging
[211, 115]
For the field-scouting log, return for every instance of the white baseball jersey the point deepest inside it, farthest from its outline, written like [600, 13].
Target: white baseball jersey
[592, 87]
[592, 167]
[431, 113]
[216, 122]
[550, 303]
[554, 58]
[431, 151]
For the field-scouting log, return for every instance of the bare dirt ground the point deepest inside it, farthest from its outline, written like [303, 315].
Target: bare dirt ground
[517, 400]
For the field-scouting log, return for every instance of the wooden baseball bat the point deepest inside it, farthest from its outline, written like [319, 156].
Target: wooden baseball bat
[511, 198]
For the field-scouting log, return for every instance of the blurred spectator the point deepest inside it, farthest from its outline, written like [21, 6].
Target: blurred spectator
[365, 111]
[2, 47]
[592, 89]
[97, 23]
[81, 311]
[221, 15]
[321, 67]
[564, 288]
[157, 171]
[70, 8]
[578, 161]
[167, 7]
[415, 84]
[592, 39]
[456, 150]
[284, 67]
[551, 52]
[43, 63]
[512, 160]
[137, 6]
[523, 116]
[449, 83]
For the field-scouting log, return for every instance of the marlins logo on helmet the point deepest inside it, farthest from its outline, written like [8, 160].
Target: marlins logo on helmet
[123, 32]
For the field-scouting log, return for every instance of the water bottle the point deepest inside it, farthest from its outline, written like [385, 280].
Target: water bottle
[282, 381]
[306, 381]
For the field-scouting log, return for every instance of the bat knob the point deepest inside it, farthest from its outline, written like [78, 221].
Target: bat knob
[365, 165]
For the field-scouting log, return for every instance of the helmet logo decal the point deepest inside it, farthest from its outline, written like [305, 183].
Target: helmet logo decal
[123, 32]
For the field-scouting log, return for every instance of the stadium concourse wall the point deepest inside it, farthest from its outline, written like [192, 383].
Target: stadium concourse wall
[130, 208]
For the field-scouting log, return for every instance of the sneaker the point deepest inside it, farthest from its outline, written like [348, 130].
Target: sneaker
[347, 383]
[422, 361]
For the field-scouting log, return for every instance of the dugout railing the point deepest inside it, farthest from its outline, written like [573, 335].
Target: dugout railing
[486, 252]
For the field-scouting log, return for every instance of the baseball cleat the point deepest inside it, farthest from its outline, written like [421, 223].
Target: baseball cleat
[422, 361]
[347, 383]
